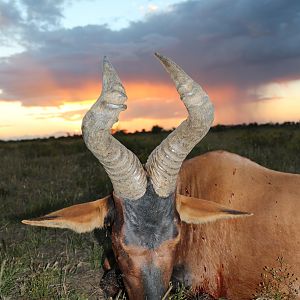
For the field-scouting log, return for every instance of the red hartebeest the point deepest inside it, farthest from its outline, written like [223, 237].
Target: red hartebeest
[164, 224]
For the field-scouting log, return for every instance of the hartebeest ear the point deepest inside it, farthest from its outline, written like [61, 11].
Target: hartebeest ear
[199, 211]
[80, 218]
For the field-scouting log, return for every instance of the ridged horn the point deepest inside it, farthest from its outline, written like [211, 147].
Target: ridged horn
[164, 162]
[122, 166]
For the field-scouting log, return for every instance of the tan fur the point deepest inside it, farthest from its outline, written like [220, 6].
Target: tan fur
[226, 258]
[80, 218]
[199, 211]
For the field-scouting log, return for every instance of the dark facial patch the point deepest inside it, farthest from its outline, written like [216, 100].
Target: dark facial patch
[110, 216]
[150, 220]
[152, 282]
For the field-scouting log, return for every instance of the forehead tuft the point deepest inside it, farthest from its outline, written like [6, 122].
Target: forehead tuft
[150, 220]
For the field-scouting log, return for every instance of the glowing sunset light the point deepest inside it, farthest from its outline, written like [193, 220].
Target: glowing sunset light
[19, 121]
[279, 102]
[142, 90]
[286, 89]
[151, 105]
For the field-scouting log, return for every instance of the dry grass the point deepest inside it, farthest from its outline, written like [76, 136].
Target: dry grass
[40, 176]
[278, 283]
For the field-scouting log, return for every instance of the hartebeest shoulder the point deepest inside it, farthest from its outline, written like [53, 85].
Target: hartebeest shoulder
[234, 252]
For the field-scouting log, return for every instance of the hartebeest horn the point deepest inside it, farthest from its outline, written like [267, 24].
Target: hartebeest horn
[122, 166]
[165, 161]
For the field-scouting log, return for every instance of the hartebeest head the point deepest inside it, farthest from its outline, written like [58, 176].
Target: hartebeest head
[147, 210]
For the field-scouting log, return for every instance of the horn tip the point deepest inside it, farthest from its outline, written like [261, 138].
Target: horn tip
[160, 57]
[108, 71]
[165, 61]
[107, 65]
[106, 61]
[157, 54]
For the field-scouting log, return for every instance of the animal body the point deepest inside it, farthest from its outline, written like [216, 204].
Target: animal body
[226, 258]
[184, 222]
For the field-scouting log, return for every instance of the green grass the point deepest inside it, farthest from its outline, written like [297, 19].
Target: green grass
[39, 176]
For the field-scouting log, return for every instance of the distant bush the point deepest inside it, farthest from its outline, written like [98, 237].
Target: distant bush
[157, 129]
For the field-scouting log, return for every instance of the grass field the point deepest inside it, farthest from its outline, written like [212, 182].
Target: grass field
[39, 176]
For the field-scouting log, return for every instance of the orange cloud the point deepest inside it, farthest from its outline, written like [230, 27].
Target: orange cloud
[148, 105]
[148, 90]
[49, 91]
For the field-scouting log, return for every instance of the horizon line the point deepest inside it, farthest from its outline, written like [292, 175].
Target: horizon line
[57, 135]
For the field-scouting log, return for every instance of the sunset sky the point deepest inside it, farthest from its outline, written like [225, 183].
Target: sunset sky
[245, 53]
